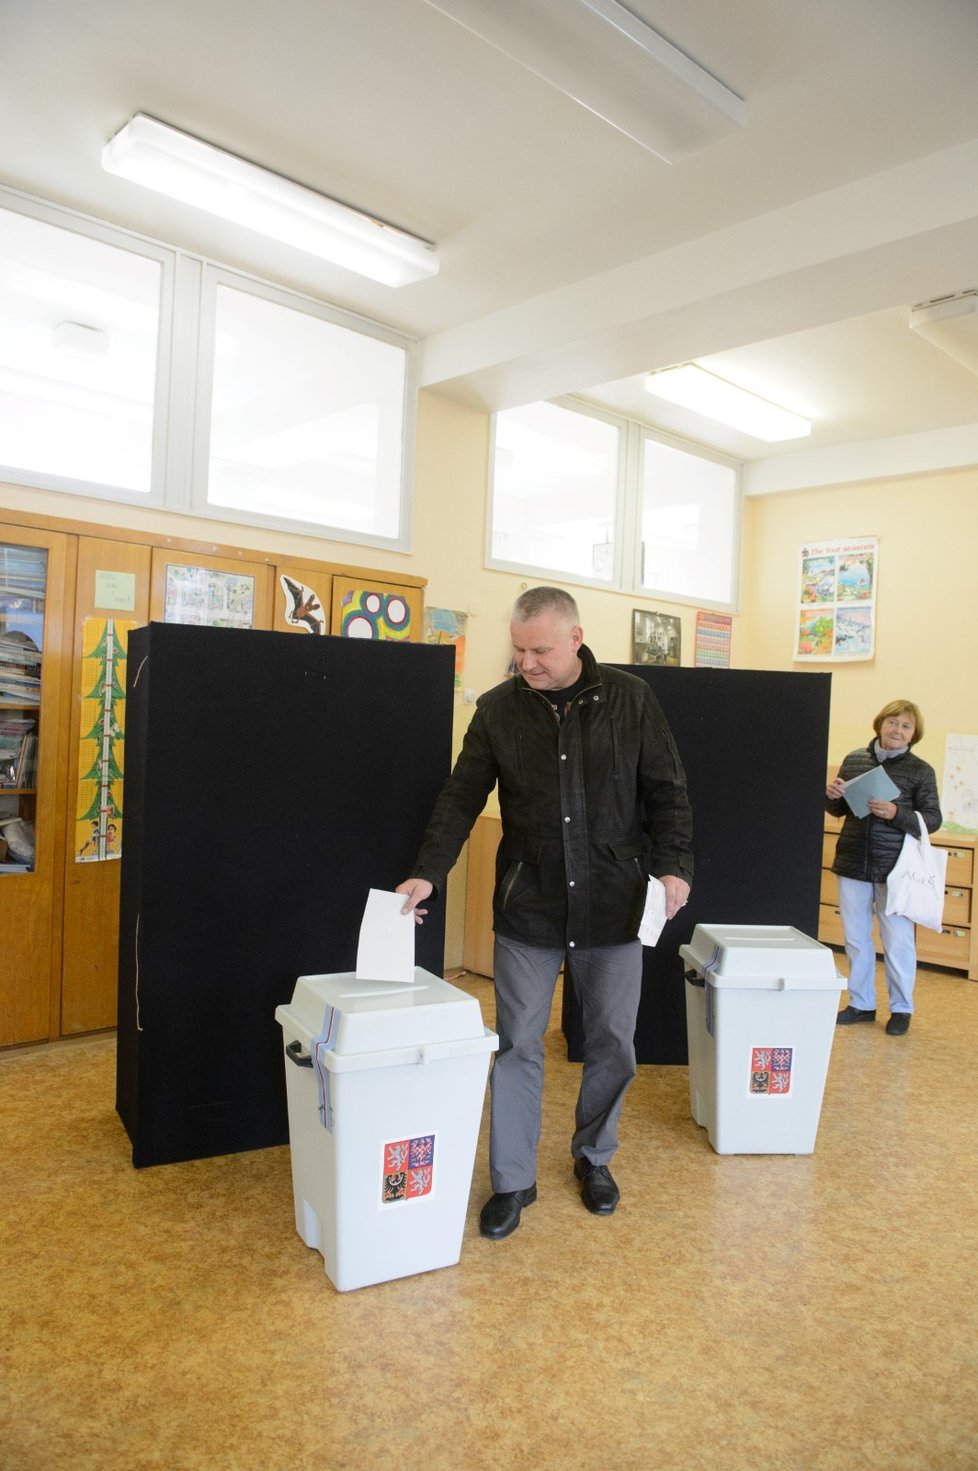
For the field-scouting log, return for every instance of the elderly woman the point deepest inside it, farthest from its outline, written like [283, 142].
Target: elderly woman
[867, 849]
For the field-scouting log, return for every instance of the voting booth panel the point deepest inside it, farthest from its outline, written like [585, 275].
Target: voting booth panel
[755, 748]
[265, 796]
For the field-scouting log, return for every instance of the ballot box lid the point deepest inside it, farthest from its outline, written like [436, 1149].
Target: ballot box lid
[767, 957]
[374, 1016]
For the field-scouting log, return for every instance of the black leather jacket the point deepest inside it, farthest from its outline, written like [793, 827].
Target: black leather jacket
[590, 807]
[869, 846]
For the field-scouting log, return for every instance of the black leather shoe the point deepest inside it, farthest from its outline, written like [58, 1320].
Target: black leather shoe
[501, 1212]
[851, 1014]
[598, 1190]
[898, 1024]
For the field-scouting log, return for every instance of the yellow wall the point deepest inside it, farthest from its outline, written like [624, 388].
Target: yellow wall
[927, 527]
[925, 632]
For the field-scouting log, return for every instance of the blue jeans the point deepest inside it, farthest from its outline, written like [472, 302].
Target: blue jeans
[857, 902]
[608, 983]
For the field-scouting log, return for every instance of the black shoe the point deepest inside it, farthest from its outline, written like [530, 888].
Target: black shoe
[598, 1190]
[899, 1024]
[852, 1014]
[501, 1212]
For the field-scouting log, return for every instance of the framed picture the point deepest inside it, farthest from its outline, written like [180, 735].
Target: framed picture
[656, 637]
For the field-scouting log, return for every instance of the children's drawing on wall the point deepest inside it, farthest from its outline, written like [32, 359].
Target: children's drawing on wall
[836, 613]
[959, 792]
[445, 626]
[303, 608]
[208, 598]
[370, 612]
[101, 745]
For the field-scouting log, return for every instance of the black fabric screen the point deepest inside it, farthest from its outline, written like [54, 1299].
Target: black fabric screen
[755, 747]
[271, 781]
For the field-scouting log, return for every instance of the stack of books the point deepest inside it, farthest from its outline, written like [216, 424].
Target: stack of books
[18, 752]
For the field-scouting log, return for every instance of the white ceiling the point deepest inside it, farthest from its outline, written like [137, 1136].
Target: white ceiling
[786, 255]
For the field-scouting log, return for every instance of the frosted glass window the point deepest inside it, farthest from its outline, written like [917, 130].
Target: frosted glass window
[555, 491]
[307, 418]
[689, 524]
[79, 323]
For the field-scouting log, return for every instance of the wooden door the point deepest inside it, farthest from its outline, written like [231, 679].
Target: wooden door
[33, 594]
[112, 593]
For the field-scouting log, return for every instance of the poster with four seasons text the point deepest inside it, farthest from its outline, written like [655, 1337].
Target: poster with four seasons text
[836, 613]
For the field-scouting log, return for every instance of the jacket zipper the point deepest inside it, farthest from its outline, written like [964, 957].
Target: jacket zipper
[507, 888]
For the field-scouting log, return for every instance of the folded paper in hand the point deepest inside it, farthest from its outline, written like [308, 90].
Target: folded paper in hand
[873, 786]
[654, 916]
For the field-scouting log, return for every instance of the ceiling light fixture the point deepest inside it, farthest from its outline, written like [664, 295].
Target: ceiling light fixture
[698, 389]
[174, 163]
[612, 63]
[951, 323]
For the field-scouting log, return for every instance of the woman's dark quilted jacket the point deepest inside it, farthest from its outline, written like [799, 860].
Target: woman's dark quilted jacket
[868, 847]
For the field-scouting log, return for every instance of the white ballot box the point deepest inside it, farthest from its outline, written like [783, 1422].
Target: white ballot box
[761, 1003]
[386, 1084]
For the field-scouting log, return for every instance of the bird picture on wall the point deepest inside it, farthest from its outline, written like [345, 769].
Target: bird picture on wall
[303, 608]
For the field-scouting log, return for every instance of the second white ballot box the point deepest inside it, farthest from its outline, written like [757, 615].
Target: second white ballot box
[761, 1003]
[386, 1084]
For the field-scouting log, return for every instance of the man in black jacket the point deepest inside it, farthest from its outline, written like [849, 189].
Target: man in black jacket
[592, 797]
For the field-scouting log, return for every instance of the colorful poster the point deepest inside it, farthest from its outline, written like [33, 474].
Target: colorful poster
[835, 616]
[101, 745]
[713, 636]
[444, 626]
[202, 596]
[959, 792]
[367, 612]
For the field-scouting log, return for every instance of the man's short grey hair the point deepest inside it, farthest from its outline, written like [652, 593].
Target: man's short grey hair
[538, 600]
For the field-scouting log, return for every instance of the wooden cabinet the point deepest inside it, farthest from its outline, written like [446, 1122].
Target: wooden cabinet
[59, 909]
[956, 947]
[33, 578]
[480, 882]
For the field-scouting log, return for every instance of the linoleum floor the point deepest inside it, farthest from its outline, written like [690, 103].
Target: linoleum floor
[737, 1313]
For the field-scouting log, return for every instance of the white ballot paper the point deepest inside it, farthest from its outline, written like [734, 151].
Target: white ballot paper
[654, 915]
[386, 948]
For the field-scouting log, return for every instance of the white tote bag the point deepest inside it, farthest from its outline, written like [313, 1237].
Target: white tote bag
[915, 887]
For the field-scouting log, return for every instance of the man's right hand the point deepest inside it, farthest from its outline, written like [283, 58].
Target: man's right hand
[416, 891]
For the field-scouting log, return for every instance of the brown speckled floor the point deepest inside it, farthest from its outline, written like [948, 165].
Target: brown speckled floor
[738, 1313]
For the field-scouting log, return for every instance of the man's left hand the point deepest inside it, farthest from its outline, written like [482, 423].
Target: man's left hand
[677, 892]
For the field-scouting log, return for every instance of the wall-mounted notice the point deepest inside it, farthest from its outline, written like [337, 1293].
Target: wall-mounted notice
[959, 792]
[835, 618]
[115, 590]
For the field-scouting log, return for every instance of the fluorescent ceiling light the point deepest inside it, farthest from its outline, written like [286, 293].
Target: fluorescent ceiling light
[612, 63]
[174, 163]
[695, 388]
[951, 323]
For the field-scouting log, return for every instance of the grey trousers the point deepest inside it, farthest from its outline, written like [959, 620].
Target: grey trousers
[608, 983]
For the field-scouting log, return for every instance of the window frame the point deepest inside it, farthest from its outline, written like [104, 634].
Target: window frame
[499, 564]
[216, 276]
[628, 541]
[686, 446]
[184, 381]
[165, 257]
